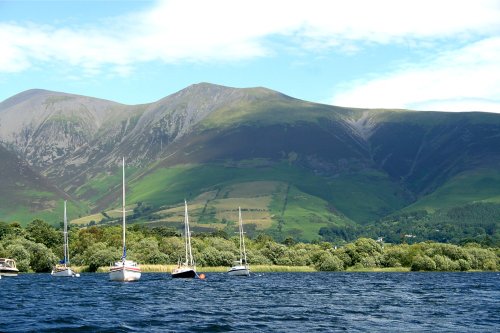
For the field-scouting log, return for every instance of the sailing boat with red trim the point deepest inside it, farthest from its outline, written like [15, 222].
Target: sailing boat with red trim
[124, 270]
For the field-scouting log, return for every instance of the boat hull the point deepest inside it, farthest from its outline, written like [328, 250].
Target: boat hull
[66, 272]
[9, 272]
[239, 271]
[124, 274]
[184, 273]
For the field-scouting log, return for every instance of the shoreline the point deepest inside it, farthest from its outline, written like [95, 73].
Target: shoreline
[277, 269]
[218, 269]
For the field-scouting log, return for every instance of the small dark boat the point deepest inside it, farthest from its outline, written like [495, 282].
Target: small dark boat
[185, 272]
[186, 269]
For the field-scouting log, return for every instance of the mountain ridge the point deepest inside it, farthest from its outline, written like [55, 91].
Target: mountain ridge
[333, 165]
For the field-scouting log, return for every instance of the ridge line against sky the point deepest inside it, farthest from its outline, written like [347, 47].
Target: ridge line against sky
[423, 55]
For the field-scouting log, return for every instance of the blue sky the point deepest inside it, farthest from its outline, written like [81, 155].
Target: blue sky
[423, 55]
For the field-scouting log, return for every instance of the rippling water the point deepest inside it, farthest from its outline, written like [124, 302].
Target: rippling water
[272, 302]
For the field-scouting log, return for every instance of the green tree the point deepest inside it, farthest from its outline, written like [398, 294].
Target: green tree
[97, 255]
[483, 259]
[213, 257]
[21, 255]
[444, 263]
[30, 255]
[4, 230]
[42, 258]
[329, 262]
[148, 252]
[256, 258]
[163, 231]
[394, 256]
[15, 229]
[274, 252]
[173, 247]
[40, 231]
[423, 263]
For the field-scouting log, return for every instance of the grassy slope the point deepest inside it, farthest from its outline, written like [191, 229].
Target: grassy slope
[481, 185]
[274, 110]
[52, 214]
[302, 201]
[25, 195]
[367, 195]
[238, 186]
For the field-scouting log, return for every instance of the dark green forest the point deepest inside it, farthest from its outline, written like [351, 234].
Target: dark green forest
[477, 222]
[38, 247]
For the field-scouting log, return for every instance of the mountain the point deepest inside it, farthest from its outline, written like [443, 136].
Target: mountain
[24, 193]
[294, 166]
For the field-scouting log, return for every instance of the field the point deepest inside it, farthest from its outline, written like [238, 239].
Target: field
[214, 193]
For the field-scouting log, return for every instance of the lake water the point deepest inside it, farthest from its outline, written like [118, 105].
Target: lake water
[268, 302]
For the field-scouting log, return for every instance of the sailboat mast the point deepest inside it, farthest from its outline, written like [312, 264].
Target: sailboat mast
[241, 234]
[186, 232]
[123, 207]
[242, 238]
[188, 238]
[66, 252]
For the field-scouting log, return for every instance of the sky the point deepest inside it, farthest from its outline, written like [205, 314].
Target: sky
[439, 55]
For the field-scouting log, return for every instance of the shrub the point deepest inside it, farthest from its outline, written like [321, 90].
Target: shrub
[147, 252]
[463, 264]
[423, 263]
[445, 264]
[22, 257]
[42, 258]
[213, 257]
[100, 255]
[256, 258]
[394, 256]
[329, 262]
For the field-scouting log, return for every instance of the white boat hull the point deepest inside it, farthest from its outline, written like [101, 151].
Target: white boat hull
[8, 272]
[239, 271]
[68, 272]
[124, 273]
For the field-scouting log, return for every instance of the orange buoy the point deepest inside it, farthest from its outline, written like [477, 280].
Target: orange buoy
[202, 276]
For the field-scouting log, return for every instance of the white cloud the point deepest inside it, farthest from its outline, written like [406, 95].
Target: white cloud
[179, 31]
[200, 30]
[467, 79]
[12, 58]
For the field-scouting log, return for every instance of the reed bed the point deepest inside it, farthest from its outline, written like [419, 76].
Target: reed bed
[218, 269]
[279, 268]
[260, 269]
[379, 269]
[253, 268]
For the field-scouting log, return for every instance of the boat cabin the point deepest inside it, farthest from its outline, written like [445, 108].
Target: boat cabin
[8, 267]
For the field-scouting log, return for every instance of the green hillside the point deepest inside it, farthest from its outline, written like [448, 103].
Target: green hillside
[291, 201]
[480, 185]
[298, 169]
[26, 195]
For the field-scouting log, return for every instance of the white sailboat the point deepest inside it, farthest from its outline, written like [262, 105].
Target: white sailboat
[124, 270]
[63, 269]
[187, 269]
[240, 267]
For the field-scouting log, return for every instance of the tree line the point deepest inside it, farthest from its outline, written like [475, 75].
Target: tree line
[475, 222]
[38, 247]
